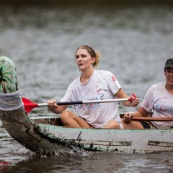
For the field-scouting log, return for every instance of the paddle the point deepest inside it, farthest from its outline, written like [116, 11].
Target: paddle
[29, 105]
[152, 118]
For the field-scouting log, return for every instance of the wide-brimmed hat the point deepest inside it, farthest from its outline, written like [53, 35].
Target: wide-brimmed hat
[169, 63]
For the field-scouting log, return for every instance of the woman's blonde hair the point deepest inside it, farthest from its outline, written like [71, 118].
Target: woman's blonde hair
[92, 52]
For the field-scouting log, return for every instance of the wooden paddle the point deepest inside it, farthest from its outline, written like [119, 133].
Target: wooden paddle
[29, 105]
[152, 118]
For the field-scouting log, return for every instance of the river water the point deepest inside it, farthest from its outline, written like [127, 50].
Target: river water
[134, 40]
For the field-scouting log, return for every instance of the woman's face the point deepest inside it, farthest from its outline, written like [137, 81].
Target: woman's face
[84, 60]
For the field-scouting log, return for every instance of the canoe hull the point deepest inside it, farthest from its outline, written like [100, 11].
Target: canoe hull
[26, 132]
[113, 140]
[47, 137]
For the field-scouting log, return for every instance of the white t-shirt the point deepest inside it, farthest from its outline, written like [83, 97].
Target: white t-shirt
[160, 101]
[101, 85]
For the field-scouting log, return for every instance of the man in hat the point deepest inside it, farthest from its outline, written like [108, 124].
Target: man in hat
[169, 63]
[158, 100]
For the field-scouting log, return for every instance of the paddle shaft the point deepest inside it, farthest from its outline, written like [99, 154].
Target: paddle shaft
[87, 102]
[152, 118]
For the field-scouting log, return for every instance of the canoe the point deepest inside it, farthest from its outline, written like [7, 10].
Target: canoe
[47, 136]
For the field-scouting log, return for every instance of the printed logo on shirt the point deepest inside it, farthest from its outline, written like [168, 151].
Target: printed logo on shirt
[113, 78]
[88, 105]
[99, 90]
[158, 107]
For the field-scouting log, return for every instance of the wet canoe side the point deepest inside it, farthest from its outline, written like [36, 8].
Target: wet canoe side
[112, 140]
[26, 132]
[46, 137]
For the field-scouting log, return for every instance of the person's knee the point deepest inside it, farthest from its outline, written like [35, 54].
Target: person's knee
[132, 125]
[65, 115]
[112, 124]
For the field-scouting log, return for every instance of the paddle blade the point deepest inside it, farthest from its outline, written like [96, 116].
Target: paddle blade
[29, 105]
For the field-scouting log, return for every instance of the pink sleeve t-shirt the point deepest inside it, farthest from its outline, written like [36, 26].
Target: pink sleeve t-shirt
[159, 101]
[101, 85]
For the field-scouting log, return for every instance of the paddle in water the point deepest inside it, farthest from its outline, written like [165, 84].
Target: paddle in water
[29, 105]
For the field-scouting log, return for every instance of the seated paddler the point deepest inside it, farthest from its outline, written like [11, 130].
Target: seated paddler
[93, 84]
[158, 101]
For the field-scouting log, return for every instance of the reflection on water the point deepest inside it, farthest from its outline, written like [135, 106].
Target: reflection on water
[134, 40]
[99, 162]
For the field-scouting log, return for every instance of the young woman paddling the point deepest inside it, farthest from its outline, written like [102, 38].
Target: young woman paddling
[158, 100]
[93, 85]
